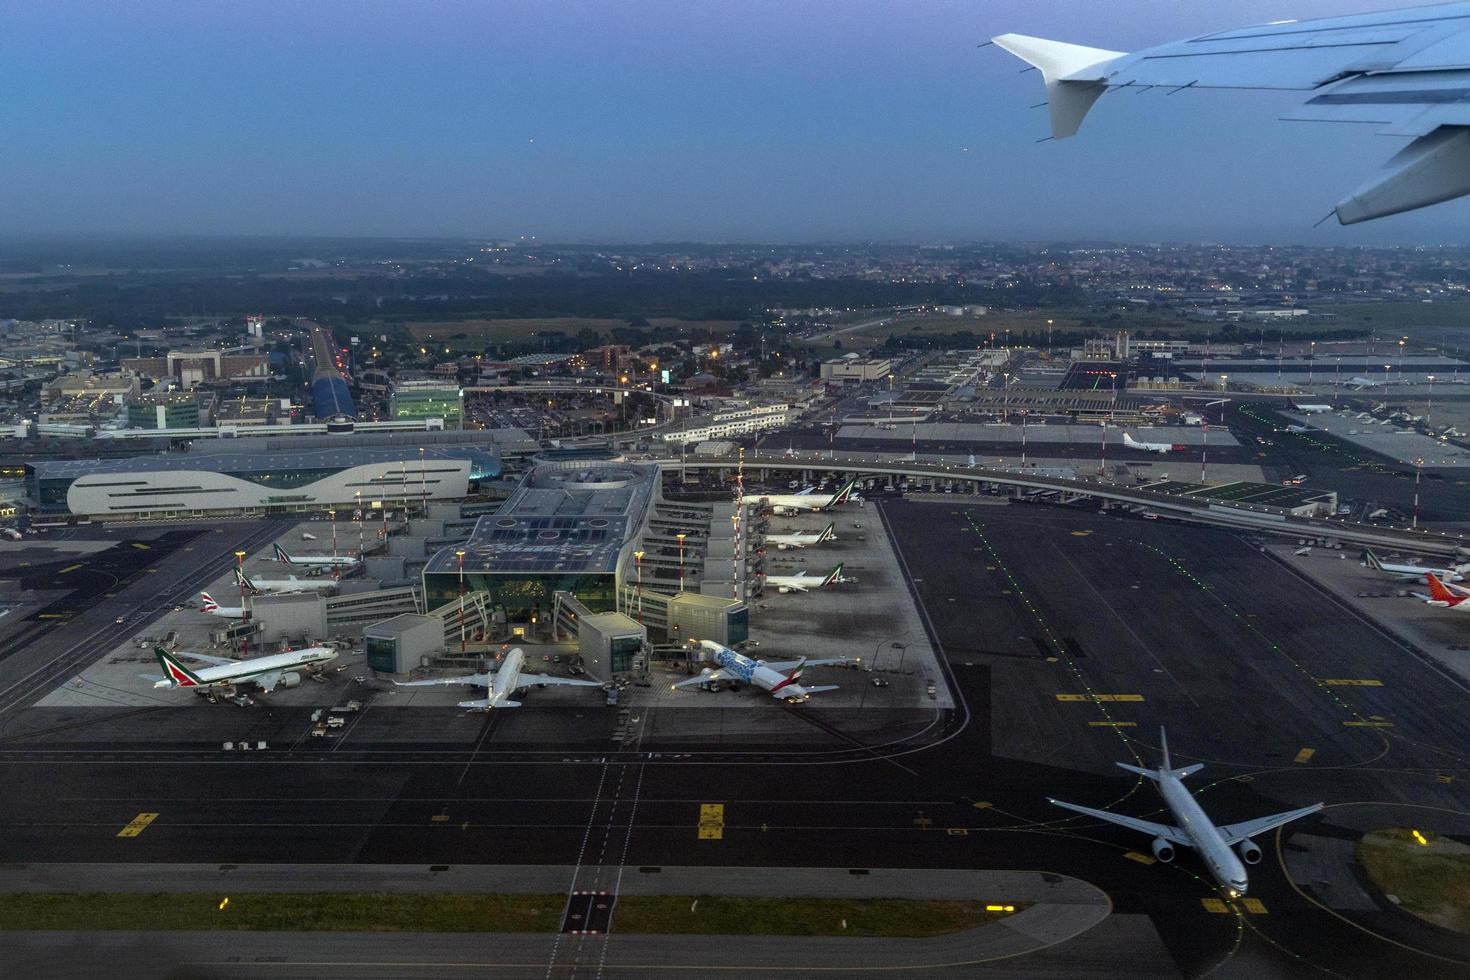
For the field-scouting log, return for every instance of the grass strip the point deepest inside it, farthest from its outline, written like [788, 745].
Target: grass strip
[1431, 879]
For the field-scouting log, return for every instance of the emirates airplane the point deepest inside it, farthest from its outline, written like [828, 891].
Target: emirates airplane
[781, 678]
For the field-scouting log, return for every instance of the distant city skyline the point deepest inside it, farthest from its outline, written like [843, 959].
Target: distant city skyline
[650, 121]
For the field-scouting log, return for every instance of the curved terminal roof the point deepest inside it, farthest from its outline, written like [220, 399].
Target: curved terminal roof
[330, 399]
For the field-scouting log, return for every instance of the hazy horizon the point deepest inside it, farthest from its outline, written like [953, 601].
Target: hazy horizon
[651, 122]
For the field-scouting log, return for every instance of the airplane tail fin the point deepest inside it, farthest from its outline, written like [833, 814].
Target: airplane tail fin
[1071, 87]
[1437, 590]
[281, 553]
[1371, 560]
[173, 670]
[209, 604]
[794, 674]
[828, 532]
[1164, 748]
[842, 494]
[834, 576]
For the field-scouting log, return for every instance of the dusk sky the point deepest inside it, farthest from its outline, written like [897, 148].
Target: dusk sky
[644, 120]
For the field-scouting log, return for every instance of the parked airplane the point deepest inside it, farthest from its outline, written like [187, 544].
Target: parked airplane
[802, 582]
[11, 533]
[1194, 828]
[781, 678]
[1360, 382]
[803, 539]
[316, 561]
[1445, 596]
[1153, 447]
[502, 684]
[1411, 573]
[1405, 87]
[215, 609]
[792, 503]
[268, 673]
[288, 584]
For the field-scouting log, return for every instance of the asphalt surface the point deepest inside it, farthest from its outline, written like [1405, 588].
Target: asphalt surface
[1025, 602]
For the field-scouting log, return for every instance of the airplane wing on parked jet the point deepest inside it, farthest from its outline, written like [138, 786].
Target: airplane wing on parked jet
[780, 665]
[1404, 71]
[543, 679]
[719, 674]
[1165, 831]
[476, 680]
[1236, 832]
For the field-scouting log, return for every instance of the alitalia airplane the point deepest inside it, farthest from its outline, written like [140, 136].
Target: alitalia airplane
[780, 678]
[1151, 447]
[794, 503]
[267, 673]
[802, 582]
[803, 539]
[316, 561]
[502, 684]
[215, 609]
[288, 584]
[1194, 829]
[1411, 573]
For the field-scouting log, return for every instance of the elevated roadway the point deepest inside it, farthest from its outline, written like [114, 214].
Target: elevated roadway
[1250, 517]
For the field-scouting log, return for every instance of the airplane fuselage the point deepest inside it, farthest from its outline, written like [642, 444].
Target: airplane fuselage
[1224, 866]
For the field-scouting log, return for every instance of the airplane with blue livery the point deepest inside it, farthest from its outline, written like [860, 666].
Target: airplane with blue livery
[781, 678]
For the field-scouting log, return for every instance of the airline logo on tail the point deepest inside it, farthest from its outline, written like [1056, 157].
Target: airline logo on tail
[834, 576]
[828, 533]
[209, 604]
[280, 553]
[793, 676]
[242, 579]
[1371, 560]
[841, 495]
[1438, 592]
[181, 676]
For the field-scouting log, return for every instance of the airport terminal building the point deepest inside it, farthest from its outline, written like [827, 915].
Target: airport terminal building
[265, 476]
[569, 527]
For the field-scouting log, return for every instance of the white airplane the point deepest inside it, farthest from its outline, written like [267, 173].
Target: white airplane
[1412, 573]
[316, 561]
[781, 678]
[1194, 828]
[1399, 70]
[288, 584]
[1445, 596]
[1361, 382]
[792, 503]
[266, 672]
[1151, 447]
[501, 684]
[215, 609]
[802, 582]
[803, 539]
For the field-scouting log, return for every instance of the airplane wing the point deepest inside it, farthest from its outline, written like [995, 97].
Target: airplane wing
[1407, 71]
[540, 679]
[1236, 832]
[484, 705]
[478, 680]
[216, 661]
[716, 675]
[1132, 823]
[267, 682]
[788, 664]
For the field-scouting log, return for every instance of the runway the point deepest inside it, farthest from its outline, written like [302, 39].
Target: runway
[1193, 628]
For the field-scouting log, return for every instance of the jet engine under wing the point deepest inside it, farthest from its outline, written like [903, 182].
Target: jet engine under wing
[1407, 71]
[1169, 833]
[1236, 832]
[541, 680]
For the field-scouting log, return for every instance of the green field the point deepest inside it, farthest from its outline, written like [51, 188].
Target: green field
[1431, 880]
[409, 912]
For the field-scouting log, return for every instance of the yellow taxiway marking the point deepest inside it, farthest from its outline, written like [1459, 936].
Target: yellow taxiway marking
[137, 825]
[1214, 905]
[439, 818]
[1444, 778]
[711, 821]
[1368, 724]
[1140, 857]
[1113, 724]
[23, 564]
[1254, 906]
[53, 615]
[983, 805]
[1099, 697]
[70, 568]
[957, 831]
[1348, 682]
[1080, 534]
[141, 546]
[1305, 754]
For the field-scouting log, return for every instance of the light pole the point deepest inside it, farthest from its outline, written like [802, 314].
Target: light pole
[1024, 413]
[638, 560]
[423, 482]
[1102, 462]
[1429, 408]
[332, 513]
[244, 615]
[1312, 364]
[1401, 359]
[460, 555]
[357, 516]
[680, 536]
[1048, 340]
[1418, 469]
